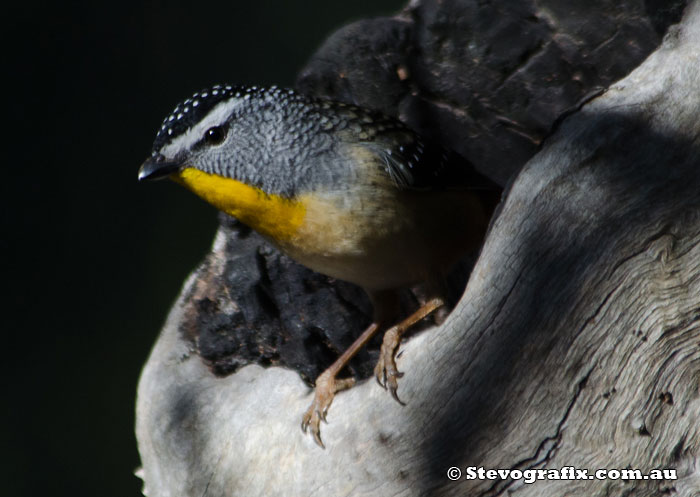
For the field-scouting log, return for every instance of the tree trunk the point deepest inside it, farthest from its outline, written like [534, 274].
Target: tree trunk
[577, 340]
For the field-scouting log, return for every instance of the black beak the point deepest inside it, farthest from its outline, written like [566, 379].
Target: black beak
[157, 167]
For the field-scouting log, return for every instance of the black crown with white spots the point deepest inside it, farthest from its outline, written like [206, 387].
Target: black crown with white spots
[189, 112]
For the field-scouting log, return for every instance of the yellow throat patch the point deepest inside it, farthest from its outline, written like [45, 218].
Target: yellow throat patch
[271, 215]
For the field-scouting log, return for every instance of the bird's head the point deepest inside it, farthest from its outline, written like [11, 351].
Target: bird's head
[201, 132]
[237, 148]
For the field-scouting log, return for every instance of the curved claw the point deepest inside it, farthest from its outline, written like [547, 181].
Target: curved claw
[326, 388]
[393, 386]
[391, 374]
[380, 372]
[396, 398]
[312, 419]
[386, 372]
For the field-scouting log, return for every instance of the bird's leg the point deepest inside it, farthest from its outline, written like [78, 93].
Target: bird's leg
[327, 385]
[386, 372]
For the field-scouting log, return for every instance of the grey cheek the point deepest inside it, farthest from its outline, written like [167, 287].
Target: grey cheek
[215, 164]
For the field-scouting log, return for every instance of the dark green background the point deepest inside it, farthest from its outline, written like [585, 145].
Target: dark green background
[92, 260]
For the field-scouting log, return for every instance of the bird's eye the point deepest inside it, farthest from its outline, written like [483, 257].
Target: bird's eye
[215, 135]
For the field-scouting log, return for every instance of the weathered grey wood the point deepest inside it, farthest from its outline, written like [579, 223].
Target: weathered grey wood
[577, 342]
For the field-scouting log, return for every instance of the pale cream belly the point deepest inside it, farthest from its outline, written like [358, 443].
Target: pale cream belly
[379, 248]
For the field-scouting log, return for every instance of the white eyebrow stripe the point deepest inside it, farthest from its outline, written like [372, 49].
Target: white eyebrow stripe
[215, 117]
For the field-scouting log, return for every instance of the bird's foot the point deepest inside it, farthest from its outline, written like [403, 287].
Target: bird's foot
[326, 387]
[385, 371]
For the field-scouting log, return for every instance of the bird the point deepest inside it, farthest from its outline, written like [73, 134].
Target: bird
[344, 190]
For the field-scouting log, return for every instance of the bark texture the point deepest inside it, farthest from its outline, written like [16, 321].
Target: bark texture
[577, 340]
